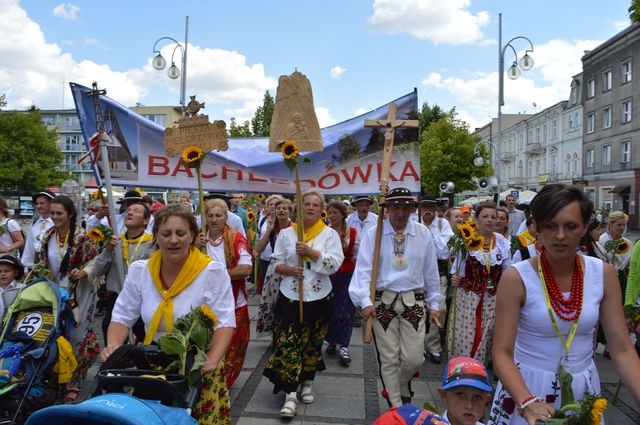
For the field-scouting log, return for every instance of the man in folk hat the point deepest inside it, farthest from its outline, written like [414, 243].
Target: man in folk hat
[35, 234]
[130, 197]
[441, 232]
[407, 292]
[362, 219]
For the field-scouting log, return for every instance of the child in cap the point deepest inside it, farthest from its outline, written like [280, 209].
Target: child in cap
[408, 414]
[11, 271]
[466, 391]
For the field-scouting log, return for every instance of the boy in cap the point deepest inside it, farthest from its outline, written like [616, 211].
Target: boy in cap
[35, 234]
[465, 390]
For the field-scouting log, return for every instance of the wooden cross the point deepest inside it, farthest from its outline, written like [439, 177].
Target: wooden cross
[391, 123]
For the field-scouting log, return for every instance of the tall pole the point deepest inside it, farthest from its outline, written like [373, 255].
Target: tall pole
[498, 148]
[183, 81]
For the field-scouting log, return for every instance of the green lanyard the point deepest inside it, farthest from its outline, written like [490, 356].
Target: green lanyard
[566, 343]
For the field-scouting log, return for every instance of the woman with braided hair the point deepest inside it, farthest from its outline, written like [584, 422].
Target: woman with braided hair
[228, 246]
[67, 257]
[341, 325]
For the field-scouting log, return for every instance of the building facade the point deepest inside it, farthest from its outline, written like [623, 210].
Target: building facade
[611, 148]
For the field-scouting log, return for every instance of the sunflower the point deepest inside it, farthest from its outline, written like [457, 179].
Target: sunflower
[289, 149]
[95, 234]
[137, 189]
[622, 247]
[241, 197]
[599, 405]
[323, 214]
[191, 155]
[466, 231]
[209, 314]
[474, 243]
[245, 204]
[260, 197]
[251, 216]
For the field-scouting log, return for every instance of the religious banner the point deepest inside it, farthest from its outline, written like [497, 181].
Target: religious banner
[350, 164]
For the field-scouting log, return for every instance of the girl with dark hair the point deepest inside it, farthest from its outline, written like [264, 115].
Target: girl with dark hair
[341, 325]
[547, 311]
[66, 257]
[589, 244]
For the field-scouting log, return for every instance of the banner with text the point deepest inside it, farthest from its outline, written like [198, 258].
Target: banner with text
[350, 164]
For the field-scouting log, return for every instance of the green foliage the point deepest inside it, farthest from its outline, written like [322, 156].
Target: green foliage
[349, 149]
[634, 11]
[447, 153]
[429, 115]
[3, 100]
[242, 130]
[28, 152]
[261, 122]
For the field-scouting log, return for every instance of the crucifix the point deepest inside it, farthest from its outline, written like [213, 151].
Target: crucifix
[391, 123]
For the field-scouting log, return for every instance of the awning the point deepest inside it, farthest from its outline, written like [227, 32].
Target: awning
[621, 189]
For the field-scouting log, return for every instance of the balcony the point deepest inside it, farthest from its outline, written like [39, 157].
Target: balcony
[515, 181]
[534, 149]
[508, 157]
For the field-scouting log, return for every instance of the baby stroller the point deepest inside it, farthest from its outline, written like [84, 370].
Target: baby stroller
[130, 390]
[31, 327]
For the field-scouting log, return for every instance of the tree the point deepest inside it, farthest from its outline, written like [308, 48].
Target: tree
[349, 149]
[428, 115]
[3, 101]
[261, 122]
[242, 130]
[634, 11]
[447, 150]
[29, 153]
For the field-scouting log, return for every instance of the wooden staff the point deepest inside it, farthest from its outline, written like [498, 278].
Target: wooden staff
[391, 123]
[300, 227]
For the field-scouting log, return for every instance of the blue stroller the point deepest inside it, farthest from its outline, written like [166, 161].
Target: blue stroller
[31, 327]
[130, 390]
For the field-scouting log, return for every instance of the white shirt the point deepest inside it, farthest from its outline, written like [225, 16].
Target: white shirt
[140, 298]
[6, 239]
[362, 225]
[217, 253]
[317, 284]
[441, 232]
[500, 254]
[93, 221]
[620, 261]
[265, 255]
[421, 273]
[13, 286]
[35, 235]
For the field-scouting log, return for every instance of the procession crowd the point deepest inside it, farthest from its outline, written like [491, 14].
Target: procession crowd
[515, 303]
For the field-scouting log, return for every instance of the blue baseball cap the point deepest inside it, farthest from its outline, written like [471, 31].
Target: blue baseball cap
[466, 372]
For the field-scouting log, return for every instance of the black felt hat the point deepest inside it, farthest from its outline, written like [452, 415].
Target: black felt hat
[361, 198]
[400, 196]
[426, 199]
[131, 196]
[216, 195]
[46, 193]
[10, 259]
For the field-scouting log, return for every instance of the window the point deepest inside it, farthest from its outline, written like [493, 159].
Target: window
[626, 71]
[554, 128]
[606, 117]
[160, 119]
[606, 80]
[577, 120]
[591, 155]
[625, 113]
[570, 122]
[568, 165]
[606, 155]
[576, 163]
[591, 88]
[625, 152]
[538, 135]
[574, 95]
[591, 122]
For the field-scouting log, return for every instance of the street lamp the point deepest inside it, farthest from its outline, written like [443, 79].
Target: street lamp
[525, 64]
[174, 72]
[478, 161]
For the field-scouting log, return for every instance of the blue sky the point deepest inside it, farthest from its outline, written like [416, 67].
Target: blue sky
[358, 54]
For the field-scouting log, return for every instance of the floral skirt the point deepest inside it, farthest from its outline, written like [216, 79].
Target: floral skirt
[297, 348]
[237, 351]
[213, 407]
[268, 299]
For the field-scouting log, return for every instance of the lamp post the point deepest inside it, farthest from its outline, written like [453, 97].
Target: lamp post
[174, 72]
[478, 161]
[525, 64]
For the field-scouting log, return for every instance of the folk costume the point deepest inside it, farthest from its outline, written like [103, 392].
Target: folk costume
[297, 355]
[472, 315]
[408, 283]
[232, 249]
[201, 281]
[536, 329]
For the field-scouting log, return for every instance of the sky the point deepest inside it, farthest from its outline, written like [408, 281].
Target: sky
[358, 54]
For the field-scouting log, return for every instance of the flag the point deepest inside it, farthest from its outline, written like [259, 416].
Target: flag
[350, 164]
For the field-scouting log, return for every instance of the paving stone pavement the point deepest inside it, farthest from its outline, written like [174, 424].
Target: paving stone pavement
[351, 395]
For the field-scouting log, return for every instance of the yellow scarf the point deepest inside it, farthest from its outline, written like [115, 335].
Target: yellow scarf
[145, 237]
[312, 232]
[526, 238]
[196, 262]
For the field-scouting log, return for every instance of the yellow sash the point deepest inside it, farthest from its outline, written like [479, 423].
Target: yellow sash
[145, 237]
[312, 232]
[196, 262]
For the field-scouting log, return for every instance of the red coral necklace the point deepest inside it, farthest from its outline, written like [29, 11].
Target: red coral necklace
[568, 309]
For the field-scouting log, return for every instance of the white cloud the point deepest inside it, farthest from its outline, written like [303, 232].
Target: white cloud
[324, 117]
[361, 111]
[337, 71]
[34, 69]
[476, 97]
[66, 11]
[620, 25]
[434, 20]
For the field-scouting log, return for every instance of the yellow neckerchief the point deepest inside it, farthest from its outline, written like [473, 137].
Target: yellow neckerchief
[566, 343]
[312, 232]
[196, 262]
[145, 237]
[526, 238]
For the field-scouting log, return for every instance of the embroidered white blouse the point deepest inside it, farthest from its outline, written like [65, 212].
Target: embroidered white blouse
[317, 284]
[140, 298]
[421, 273]
[217, 254]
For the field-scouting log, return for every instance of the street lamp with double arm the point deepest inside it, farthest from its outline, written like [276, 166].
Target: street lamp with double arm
[174, 72]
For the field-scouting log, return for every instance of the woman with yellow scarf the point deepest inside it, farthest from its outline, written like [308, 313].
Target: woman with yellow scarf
[297, 355]
[174, 280]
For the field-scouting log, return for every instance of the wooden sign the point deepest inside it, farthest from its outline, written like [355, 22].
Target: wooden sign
[196, 130]
[294, 116]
